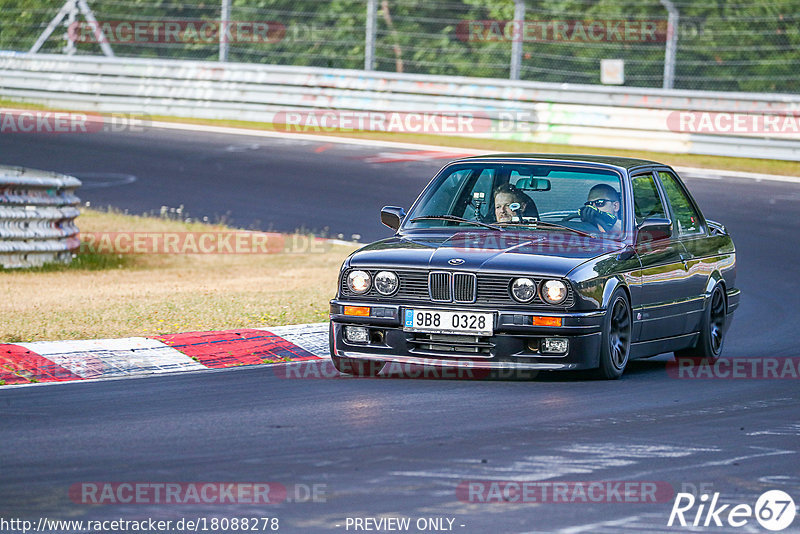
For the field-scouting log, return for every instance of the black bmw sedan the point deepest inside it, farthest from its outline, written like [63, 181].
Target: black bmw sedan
[538, 262]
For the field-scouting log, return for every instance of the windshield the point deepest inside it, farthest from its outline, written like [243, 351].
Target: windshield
[522, 196]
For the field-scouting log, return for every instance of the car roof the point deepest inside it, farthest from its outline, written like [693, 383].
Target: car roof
[616, 161]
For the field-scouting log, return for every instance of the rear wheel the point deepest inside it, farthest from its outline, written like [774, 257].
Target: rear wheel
[355, 367]
[712, 330]
[616, 338]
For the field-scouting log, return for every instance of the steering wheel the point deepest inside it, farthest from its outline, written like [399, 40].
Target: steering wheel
[576, 215]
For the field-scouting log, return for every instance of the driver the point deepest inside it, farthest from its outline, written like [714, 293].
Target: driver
[511, 204]
[602, 209]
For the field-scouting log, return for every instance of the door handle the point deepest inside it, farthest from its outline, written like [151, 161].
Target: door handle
[685, 258]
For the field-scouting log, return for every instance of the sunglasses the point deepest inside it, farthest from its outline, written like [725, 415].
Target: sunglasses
[599, 203]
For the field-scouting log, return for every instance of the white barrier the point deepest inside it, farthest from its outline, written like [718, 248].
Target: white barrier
[37, 217]
[579, 115]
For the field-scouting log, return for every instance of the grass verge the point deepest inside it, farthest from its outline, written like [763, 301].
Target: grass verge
[103, 294]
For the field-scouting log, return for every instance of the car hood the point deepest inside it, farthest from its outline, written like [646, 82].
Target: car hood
[546, 253]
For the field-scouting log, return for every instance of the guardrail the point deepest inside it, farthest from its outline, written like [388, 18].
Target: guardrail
[579, 115]
[37, 217]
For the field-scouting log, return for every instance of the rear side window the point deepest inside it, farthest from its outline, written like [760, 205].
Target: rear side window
[646, 202]
[685, 217]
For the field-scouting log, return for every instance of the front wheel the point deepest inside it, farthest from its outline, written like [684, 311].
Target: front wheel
[355, 367]
[712, 330]
[616, 338]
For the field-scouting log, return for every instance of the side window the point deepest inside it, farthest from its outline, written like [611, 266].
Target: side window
[441, 202]
[686, 219]
[646, 202]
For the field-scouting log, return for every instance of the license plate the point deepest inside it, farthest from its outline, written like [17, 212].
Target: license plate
[448, 322]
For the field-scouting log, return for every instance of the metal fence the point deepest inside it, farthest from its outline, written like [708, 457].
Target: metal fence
[37, 217]
[746, 45]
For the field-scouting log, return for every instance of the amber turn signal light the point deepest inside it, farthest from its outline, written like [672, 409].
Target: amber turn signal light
[361, 311]
[546, 321]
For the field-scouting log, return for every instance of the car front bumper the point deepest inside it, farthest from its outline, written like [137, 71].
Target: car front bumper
[515, 343]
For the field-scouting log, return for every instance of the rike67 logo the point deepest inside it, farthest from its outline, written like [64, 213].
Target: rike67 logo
[774, 510]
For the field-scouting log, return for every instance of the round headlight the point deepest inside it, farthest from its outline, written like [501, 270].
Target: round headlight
[359, 281]
[554, 291]
[386, 282]
[523, 289]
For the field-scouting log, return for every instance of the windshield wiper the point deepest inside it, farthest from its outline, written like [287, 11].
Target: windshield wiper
[455, 218]
[536, 224]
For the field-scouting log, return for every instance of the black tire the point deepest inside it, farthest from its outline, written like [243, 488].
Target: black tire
[615, 344]
[712, 329]
[351, 366]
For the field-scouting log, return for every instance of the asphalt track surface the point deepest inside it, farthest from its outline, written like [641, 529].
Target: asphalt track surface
[400, 447]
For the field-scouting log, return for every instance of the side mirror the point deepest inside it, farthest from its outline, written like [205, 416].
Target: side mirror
[392, 216]
[653, 229]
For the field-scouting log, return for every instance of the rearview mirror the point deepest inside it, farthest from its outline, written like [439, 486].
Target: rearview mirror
[653, 229]
[392, 216]
[533, 184]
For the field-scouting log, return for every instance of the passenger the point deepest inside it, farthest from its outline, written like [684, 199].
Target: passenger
[602, 209]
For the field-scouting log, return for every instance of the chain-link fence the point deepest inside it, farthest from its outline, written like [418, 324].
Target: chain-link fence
[740, 45]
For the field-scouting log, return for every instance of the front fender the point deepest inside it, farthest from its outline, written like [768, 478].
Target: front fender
[611, 285]
[596, 293]
[597, 279]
